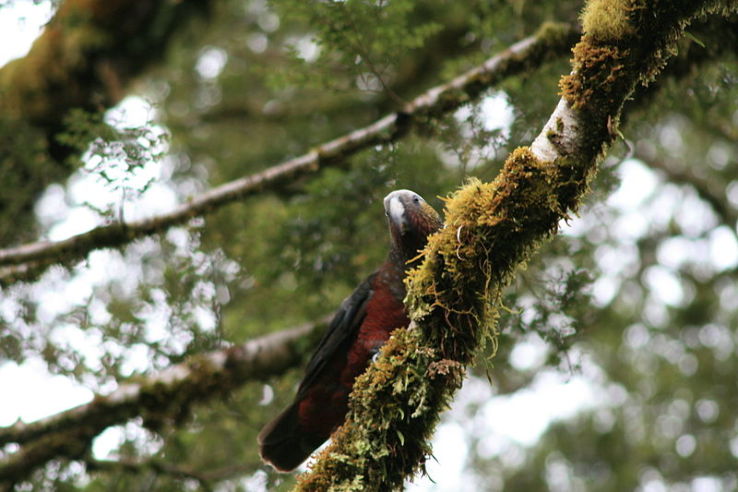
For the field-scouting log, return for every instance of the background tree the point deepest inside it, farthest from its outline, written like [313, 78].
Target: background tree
[637, 296]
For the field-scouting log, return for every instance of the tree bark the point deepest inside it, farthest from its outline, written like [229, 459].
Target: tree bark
[86, 58]
[491, 229]
[162, 397]
[551, 41]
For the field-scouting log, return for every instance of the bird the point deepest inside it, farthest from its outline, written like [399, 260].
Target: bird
[360, 326]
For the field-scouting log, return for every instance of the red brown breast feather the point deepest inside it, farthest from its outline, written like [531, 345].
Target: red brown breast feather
[361, 325]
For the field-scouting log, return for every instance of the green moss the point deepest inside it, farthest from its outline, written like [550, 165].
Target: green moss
[392, 407]
[491, 229]
[607, 20]
[598, 71]
[554, 32]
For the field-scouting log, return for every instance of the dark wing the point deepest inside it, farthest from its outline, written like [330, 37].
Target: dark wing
[342, 330]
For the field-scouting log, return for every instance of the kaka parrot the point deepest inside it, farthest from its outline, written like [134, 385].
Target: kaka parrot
[359, 328]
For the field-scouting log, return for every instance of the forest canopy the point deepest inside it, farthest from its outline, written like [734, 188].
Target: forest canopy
[191, 188]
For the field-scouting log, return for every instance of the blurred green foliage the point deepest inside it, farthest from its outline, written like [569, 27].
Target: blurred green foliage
[260, 82]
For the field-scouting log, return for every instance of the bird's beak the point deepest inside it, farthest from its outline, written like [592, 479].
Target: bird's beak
[396, 212]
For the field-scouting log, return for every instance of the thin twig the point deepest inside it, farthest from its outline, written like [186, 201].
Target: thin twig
[165, 395]
[137, 466]
[204, 477]
[523, 55]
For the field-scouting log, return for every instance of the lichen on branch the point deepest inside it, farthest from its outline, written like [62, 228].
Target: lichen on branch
[491, 231]
[159, 398]
[453, 298]
[87, 57]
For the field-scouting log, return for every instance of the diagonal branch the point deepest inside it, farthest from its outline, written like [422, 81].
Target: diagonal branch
[151, 465]
[551, 41]
[160, 397]
[137, 466]
[87, 57]
[491, 230]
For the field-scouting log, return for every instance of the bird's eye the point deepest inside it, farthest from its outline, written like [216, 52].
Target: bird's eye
[416, 199]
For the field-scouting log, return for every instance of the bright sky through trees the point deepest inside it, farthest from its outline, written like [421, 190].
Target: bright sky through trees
[652, 245]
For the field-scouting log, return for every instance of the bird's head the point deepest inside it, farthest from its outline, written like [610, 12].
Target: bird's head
[411, 220]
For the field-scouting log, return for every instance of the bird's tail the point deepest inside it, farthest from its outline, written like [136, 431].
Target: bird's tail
[284, 444]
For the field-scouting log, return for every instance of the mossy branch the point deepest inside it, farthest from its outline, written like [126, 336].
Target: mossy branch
[164, 397]
[491, 230]
[552, 40]
[205, 478]
[159, 467]
[87, 57]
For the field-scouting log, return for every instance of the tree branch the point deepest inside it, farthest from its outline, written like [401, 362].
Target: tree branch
[91, 49]
[86, 57]
[165, 396]
[139, 466]
[204, 478]
[551, 41]
[492, 229]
